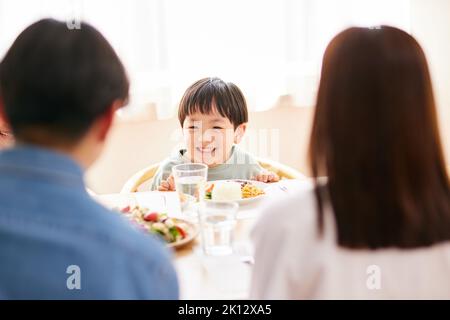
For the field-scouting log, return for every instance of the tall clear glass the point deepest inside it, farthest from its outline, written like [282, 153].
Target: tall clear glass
[217, 224]
[190, 182]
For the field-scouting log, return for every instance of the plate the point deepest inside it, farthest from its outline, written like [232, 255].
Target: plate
[161, 225]
[191, 230]
[263, 186]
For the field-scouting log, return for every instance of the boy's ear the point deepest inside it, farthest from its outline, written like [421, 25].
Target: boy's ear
[239, 133]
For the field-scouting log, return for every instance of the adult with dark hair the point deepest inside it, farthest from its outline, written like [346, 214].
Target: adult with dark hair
[378, 225]
[60, 89]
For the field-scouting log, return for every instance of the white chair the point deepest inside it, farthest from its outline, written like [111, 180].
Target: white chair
[146, 174]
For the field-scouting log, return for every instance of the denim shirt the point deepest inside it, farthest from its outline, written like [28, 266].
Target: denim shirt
[58, 243]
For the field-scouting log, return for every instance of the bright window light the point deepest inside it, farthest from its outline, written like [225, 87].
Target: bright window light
[269, 48]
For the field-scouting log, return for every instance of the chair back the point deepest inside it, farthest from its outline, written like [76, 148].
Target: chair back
[145, 175]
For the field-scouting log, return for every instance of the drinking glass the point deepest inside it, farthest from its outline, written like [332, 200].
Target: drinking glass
[217, 224]
[190, 182]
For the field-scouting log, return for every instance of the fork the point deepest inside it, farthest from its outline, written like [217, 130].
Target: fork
[248, 260]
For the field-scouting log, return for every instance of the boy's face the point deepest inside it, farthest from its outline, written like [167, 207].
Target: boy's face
[209, 138]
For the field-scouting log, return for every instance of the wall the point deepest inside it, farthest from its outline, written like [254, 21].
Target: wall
[430, 21]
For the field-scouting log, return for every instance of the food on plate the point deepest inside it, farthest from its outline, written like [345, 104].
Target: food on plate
[208, 191]
[170, 229]
[226, 191]
[250, 191]
[232, 190]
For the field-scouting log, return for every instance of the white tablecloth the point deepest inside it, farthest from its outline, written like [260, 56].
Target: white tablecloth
[201, 276]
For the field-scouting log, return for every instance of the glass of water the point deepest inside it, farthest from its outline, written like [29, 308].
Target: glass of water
[217, 223]
[190, 182]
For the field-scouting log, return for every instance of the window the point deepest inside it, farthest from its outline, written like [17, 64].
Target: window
[269, 48]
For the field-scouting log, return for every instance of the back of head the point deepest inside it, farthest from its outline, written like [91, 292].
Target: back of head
[57, 81]
[375, 136]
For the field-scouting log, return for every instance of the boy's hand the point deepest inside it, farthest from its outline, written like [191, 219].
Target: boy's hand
[267, 177]
[167, 185]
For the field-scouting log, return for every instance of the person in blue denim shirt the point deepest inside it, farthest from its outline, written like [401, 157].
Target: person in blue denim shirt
[59, 89]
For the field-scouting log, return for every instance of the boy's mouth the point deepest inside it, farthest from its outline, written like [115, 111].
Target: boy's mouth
[208, 150]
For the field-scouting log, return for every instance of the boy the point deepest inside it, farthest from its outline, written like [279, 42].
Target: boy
[213, 115]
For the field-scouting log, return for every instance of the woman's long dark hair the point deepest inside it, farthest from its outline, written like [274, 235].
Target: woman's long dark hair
[375, 136]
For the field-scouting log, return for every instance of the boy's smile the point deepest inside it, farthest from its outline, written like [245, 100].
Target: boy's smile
[209, 138]
[207, 150]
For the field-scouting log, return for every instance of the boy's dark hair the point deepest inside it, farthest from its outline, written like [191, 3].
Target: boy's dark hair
[59, 81]
[206, 93]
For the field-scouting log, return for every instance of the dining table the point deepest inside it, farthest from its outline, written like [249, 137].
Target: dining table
[202, 276]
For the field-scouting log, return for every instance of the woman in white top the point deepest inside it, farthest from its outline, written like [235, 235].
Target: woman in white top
[379, 226]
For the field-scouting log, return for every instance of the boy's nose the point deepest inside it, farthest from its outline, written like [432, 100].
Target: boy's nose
[207, 136]
[207, 142]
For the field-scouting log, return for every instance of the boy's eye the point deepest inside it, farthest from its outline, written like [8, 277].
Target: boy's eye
[192, 127]
[217, 128]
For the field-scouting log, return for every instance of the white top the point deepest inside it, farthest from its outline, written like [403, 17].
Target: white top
[291, 262]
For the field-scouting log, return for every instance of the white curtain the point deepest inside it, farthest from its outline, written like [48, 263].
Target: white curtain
[269, 48]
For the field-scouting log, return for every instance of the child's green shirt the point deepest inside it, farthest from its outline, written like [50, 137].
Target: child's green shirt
[240, 165]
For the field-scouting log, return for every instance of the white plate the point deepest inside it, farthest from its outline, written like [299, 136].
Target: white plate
[192, 232]
[191, 229]
[258, 184]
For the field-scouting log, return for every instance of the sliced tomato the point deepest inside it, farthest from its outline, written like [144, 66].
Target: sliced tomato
[126, 209]
[181, 231]
[151, 216]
